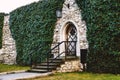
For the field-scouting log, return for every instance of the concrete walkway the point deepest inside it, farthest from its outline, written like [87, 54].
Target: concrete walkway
[22, 75]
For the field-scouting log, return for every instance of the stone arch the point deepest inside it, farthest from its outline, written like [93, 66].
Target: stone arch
[72, 15]
[63, 29]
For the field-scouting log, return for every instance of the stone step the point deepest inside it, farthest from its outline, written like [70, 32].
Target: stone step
[45, 67]
[55, 61]
[71, 57]
[58, 59]
[42, 66]
[50, 64]
[39, 70]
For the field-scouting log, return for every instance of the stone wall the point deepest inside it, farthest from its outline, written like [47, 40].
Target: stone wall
[8, 51]
[1, 56]
[71, 13]
[70, 66]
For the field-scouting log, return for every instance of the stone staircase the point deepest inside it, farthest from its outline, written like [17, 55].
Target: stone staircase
[52, 64]
[49, 66]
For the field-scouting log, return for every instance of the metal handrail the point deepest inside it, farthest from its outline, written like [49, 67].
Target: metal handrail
[48, 53]
[59, 54]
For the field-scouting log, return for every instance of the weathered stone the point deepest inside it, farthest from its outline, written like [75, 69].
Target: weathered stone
[70, 66]
[8, 52]
[72, 14]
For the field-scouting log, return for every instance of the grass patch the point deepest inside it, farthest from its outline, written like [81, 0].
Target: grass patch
[7, 68]
[79, 76]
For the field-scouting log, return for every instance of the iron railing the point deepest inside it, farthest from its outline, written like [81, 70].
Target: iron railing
[56, 50]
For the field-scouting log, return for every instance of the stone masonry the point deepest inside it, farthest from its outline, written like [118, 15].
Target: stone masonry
[71, 13]
[70, 66]
[8, 51]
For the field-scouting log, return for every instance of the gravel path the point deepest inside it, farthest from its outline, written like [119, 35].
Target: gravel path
[22, 75]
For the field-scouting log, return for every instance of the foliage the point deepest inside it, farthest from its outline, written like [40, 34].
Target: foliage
[8, 68]
[78, 76]
[1, 26]
[32, 27]
[103, 22]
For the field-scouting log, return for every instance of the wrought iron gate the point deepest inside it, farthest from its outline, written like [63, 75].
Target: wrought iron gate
[71, 40]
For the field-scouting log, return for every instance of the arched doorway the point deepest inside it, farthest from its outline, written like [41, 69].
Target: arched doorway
[71, 39]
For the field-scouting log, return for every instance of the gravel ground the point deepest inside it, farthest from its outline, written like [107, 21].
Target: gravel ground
[22, 75]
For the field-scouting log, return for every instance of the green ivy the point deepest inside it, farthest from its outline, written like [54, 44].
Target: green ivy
[1, 26]
[103, 23]
[32, 27]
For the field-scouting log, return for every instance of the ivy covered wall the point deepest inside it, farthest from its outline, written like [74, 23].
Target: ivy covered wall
[103, 24]
[1, 26]
[33, 24]
[32, 27]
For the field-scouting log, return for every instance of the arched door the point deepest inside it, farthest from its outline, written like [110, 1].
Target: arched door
[71, 40]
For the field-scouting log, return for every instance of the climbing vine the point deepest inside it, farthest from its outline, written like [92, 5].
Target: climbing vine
[32, 27]
[103, 24]
[1, 26]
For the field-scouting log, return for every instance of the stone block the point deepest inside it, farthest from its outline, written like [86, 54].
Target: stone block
[70, 66]
[8, 44]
